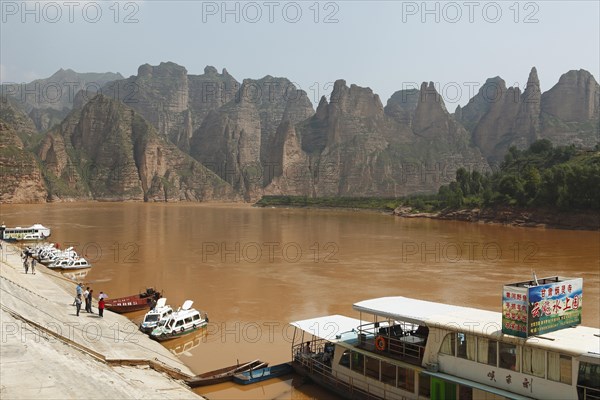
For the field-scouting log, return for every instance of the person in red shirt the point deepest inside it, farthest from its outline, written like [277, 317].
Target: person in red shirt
[101, 307]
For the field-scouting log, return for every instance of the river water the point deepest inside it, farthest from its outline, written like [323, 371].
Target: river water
[254, 270]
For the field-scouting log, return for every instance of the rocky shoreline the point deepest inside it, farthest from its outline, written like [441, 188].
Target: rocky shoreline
[539, 218]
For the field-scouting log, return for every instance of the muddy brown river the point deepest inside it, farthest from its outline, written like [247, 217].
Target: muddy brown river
[254, 270]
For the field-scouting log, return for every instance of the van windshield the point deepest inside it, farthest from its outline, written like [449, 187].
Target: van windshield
[151, 318]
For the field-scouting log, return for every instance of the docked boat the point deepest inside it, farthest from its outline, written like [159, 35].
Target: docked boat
[224, 374]
[34, 232]
[160, 311]
[136, 302]
[181, 322]
[402, 348]
[262, 374]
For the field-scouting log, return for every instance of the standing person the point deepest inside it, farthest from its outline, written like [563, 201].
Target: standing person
[89, 301]
[33, 266]
[78, 290]
[85, 298]
[26, 265]
[78, 303]
[101, 306]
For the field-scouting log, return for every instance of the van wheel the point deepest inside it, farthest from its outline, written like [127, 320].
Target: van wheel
[181, 330]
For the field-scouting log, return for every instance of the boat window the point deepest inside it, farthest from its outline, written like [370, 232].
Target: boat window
[424, 385]
[534, 361]
[196, 317]
[559, 367]
[345, 359]
[589, 380]
[466, 346]
[449, 344]
[179, 323]
[486, 351]
[509, 356]
[406, 379]
[465, 392]
[372, 367]
[357, 362]
[188, 320]
[388, 373]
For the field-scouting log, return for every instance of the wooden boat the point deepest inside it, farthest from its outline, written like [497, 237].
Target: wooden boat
[224, 374]
[136, 302]
[262, 374]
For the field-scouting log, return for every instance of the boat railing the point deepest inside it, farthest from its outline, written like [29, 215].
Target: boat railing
[588, 393]
[318, 368]
[401, 340]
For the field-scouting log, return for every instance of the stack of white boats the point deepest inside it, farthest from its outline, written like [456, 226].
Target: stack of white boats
[56, 258]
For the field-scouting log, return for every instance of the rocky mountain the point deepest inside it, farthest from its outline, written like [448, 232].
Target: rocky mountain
[106, 151]
[352, 146]
[20, 175]
[499, 117]
[48, 101]
[166, 135]
[174, 102]
[241, 141]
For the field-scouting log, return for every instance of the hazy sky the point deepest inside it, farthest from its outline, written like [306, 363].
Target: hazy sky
[387, 46]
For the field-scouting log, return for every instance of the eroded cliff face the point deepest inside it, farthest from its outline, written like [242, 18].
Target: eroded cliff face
[106, 151]
[20, 175]
[353, 147]
[570, 111]
[241, 142]
[172, 101]
[500, 117]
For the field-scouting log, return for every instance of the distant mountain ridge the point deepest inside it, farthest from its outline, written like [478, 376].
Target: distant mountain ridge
[263, 136]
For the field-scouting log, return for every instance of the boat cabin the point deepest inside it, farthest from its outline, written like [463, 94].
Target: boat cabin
[403, 348]
[161, 311]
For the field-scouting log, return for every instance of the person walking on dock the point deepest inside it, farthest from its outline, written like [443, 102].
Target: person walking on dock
[26, 265]
[33, 266]
[101, 306]
[88, 303]
[78, 303]
[86, 298]
[78, 290]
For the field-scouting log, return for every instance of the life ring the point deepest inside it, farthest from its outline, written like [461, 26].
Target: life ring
[380, 343]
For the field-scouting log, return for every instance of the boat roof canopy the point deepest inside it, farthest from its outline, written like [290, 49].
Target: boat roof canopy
[187, 305]
[330, 327]
[578, 340]
[423, 312]
[161, 302]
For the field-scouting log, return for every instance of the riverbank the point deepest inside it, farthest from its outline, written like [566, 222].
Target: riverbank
[49, 352]
[536, 218]
[512, 216]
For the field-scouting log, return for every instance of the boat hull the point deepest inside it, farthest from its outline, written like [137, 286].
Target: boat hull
[173, 335]
[129, 303]
[223, 374]
[259, 375]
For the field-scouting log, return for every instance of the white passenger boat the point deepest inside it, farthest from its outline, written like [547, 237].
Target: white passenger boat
[414, 349]
[181, 322]
[78, 263]
[161, 311]
[34, 232]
